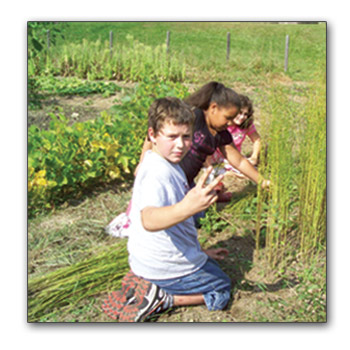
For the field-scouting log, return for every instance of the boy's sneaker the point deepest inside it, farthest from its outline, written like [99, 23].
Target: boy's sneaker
[115, 302]
[148, 298]
[118, 226]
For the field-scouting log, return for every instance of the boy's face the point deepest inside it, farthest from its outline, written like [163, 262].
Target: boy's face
[172, 142]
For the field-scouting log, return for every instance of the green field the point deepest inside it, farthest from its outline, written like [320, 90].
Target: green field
[87, 107]
[256, 48]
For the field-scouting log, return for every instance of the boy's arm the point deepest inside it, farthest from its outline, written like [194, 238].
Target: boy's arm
[161, 218]
[197, 199]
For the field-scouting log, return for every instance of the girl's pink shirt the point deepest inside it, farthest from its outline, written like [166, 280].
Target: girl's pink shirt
[239, 134]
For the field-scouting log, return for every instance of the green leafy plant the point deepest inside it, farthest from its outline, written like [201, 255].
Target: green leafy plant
[67, 160]
[51, 85]
[133, 61]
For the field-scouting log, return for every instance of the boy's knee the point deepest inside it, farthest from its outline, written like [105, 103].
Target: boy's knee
[217, 300]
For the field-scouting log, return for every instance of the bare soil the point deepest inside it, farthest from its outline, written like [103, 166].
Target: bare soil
[75, 108]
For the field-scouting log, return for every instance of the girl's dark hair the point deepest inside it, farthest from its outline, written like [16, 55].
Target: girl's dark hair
[169, 109]
[214, 92]
[247, 103]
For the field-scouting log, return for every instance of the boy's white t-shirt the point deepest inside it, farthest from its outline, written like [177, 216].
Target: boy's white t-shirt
[169, 253]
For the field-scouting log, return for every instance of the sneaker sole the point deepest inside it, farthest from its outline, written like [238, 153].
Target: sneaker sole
[117, 300]
[141, 308]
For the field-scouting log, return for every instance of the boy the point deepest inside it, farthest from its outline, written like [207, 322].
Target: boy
[164, 251]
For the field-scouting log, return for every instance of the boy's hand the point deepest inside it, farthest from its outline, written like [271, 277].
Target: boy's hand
[217, 254]
[203, 196]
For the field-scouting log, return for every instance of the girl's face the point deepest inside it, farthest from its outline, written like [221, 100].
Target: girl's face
[219, 118]
[241, 116]
[172, 142]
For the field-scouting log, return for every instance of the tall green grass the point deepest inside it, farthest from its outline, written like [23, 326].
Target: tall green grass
[132, 61]
[312, 180]
[280, 120]
[293, 212]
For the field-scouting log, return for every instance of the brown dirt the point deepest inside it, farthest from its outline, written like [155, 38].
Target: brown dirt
[75, 108]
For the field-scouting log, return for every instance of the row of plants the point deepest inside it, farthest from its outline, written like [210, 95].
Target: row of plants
[133, 61]
[39, 88]
[289, 220]
[297, 164]
[66, 160]
[256, 48]
[51, 85]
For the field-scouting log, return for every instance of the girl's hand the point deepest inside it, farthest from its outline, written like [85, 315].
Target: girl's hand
[202, 196]
[253, 161]
[217, 254]
[266, 184]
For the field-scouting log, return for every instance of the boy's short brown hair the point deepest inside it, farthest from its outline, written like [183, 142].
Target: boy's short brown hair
[169, 109]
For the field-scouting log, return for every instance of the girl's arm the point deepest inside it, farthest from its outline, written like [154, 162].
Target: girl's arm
[242, 164]
[147, 145]
[255, 138]
[197, 199]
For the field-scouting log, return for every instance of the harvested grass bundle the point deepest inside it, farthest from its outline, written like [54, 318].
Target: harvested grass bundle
[67, 286]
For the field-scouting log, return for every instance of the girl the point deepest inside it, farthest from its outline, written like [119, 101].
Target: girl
[243, 125]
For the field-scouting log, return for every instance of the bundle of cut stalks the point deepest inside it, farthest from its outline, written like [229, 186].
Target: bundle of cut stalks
[67, 286]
